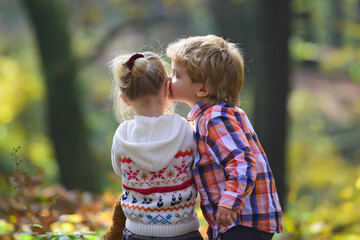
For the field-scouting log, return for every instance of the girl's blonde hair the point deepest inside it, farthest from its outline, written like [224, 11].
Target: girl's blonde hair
[145, 76]
[213, 61]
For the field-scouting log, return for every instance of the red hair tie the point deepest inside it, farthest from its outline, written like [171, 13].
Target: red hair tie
[130, 63]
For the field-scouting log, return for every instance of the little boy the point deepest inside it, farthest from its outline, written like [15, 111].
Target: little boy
[232, 173]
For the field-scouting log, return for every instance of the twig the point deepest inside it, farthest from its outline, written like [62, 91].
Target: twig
[19, 184]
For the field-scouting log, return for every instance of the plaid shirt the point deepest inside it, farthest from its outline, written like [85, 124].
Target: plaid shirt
[231, 170]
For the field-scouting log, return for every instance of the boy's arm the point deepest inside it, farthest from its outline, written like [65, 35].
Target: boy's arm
[229, 146]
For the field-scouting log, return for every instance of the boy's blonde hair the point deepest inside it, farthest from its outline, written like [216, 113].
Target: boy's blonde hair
[144, 77]
[212, 61]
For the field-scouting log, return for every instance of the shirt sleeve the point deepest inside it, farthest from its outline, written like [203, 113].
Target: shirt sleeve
[230, 148]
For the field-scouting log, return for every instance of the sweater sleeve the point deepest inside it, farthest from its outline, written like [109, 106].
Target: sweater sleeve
[229, 146]
[115, 158]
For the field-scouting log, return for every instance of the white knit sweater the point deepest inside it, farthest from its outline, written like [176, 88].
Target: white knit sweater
[154, 157]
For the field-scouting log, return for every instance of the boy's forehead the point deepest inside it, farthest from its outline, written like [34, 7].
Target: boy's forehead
[177, 64]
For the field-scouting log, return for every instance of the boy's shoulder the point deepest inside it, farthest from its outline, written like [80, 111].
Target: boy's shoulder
[221, 113]
[223, 110]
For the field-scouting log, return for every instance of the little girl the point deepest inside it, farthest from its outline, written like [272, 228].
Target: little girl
[153, 154]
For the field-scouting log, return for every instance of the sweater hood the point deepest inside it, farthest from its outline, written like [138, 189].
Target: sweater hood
[152, 142]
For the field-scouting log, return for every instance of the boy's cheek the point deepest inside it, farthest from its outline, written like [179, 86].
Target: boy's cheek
[170, 85]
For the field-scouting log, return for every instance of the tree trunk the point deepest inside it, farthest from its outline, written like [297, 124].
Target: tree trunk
[66, 122]
[272, 84]
[337, 17]
[235, 21]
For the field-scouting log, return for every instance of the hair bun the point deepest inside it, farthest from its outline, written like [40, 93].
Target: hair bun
[139, 67]
[130, 62]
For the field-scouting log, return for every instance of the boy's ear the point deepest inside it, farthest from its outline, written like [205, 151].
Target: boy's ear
[203, 91]
[125, 99]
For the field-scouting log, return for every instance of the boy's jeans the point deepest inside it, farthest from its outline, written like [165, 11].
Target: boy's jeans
[245, 233]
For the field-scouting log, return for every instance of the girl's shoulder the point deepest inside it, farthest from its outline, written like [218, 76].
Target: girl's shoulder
[175, 115]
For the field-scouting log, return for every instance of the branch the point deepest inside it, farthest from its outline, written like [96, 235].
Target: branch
[103, 43]
[110, 36]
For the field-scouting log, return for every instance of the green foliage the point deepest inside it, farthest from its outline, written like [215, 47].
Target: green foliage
[7, 228]
[324, 185]
[58, 236]
[327, 34]
[21, 122]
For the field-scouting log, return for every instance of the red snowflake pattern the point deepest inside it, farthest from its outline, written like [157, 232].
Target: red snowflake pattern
[182, 169]
[158, 175]
[132, 174]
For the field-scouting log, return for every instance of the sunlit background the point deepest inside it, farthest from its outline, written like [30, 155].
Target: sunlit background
[322, 167]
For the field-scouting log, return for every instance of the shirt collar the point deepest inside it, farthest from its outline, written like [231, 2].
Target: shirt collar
[196, 110]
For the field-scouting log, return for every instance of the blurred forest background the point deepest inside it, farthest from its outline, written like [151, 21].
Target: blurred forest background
[302, 92]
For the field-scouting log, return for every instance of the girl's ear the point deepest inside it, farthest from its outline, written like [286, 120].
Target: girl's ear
[203, 91]
[125, 99]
